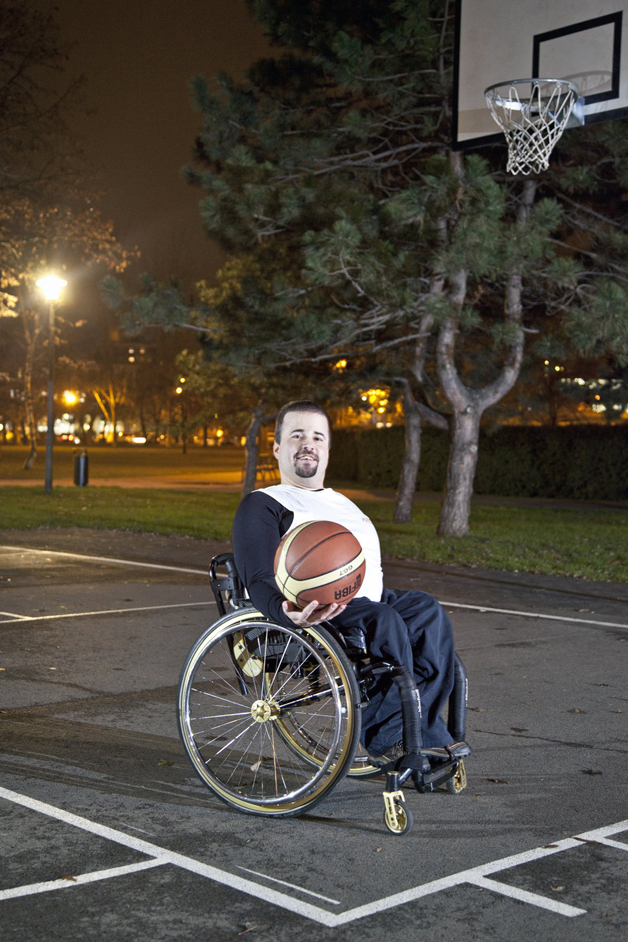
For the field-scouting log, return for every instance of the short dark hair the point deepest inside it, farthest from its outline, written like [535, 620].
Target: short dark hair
[299, 405]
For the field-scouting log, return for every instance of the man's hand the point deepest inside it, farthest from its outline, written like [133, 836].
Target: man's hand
[311, 614]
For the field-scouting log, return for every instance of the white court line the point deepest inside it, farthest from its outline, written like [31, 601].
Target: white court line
[609, 843]
[166, 856]
[106, 611]
[515, 892]
[293, 886]
[80, 879]
[474, 876]
[104, 559]
[508, 611]
[203, 572]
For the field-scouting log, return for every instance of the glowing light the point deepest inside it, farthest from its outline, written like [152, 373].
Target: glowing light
[70, 398]
[51, 286]
[376, 398]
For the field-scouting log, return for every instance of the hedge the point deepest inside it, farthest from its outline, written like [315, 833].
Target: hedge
[586, 462]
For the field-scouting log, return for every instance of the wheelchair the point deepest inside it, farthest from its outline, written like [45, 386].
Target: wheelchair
[270, 717]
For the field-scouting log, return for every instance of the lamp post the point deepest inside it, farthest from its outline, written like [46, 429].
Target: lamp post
[51, 286]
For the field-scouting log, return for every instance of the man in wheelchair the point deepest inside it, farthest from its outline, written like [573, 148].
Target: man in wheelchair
[406, 629]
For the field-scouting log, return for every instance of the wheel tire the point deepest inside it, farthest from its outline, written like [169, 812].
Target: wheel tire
[404, 820]
[268, 715]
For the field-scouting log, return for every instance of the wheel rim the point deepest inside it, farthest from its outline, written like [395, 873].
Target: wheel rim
[401, 822]
[266, 714]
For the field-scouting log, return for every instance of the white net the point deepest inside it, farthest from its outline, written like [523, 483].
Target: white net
[532, 113]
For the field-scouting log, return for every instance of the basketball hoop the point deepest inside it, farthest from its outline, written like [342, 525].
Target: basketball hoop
[532, 113]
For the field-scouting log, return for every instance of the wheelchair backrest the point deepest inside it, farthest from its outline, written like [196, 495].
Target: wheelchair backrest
[228, 588]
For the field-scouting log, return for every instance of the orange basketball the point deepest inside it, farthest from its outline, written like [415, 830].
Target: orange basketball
[321, 561]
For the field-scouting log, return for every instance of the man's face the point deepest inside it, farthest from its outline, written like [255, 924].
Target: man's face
[303, 452]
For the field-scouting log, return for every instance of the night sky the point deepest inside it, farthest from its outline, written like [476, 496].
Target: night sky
[138, 57]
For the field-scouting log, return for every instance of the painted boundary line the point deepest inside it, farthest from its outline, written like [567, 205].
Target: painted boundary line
[104, 559]
[203, 572]
[476, 876]
[80, 880]
[107, 611]
[508, 611]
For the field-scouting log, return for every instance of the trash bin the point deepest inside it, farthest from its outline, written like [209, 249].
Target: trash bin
[81, 467]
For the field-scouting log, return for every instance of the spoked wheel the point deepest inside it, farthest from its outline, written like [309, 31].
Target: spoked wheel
[268, 715]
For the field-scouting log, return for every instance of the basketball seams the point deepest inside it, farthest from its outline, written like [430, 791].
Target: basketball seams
[314, 549]
[325, 578]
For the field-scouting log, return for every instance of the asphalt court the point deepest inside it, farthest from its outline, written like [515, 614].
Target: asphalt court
[97, 797]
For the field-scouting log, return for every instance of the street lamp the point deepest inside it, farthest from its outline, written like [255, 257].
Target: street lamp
[51, 286]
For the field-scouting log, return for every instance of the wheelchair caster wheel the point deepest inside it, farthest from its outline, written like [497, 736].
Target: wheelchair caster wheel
[458, 781]
[397, 818]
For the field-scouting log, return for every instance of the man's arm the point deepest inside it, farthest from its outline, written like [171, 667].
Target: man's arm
[258, 526]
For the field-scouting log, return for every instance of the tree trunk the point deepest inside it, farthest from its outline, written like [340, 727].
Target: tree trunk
[463, 456]
[251, 449]
[112, 407]
[468, 405]
[413, 411]
[411, 459]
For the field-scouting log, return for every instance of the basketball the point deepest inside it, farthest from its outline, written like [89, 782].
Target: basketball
[321, 561]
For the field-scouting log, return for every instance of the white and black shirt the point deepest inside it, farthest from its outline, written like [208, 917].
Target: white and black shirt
[264, 516]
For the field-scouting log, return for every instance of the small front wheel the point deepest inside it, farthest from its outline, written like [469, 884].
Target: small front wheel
[458, 781]
[398, 819]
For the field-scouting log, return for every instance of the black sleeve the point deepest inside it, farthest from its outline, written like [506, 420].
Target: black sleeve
[258, 526]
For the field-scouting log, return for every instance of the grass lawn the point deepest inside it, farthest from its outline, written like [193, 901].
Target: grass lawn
[590, 542]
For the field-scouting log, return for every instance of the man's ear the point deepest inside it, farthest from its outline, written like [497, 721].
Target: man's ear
[276, 449]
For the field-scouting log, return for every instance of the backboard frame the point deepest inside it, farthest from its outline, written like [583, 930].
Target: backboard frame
[544, 36]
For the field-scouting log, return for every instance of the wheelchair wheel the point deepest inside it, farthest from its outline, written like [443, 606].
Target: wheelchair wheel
[268, 715]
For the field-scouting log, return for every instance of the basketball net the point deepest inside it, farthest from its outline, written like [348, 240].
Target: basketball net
[534, 122]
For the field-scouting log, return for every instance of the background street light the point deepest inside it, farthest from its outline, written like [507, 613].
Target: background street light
[51, 287]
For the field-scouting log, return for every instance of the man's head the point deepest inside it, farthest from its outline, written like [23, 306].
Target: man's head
[302, 440]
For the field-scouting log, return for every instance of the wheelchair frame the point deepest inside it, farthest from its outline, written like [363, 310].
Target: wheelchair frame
[270, 717]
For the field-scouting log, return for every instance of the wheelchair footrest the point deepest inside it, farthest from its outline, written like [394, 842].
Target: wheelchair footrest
[455, 750]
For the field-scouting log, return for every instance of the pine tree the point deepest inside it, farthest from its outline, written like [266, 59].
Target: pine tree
[421, 266]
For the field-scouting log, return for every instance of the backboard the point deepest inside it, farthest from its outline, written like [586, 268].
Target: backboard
[497, 40]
